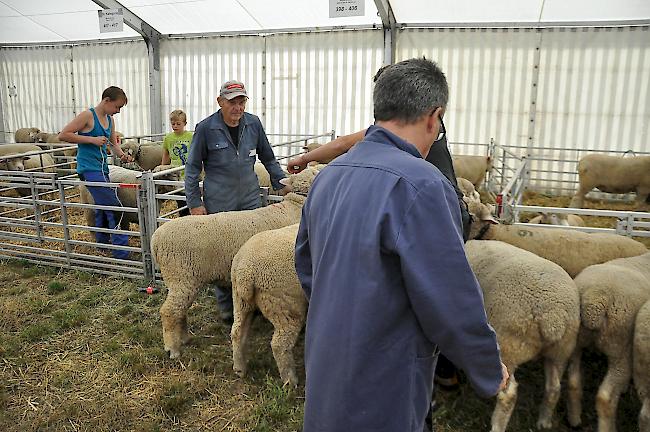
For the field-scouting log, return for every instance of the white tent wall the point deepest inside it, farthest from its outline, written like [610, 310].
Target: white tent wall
[192, 71]
[489, 72]
[36, 88]
[594, 93]
[122, 64]
[542, 89]
[321, 81]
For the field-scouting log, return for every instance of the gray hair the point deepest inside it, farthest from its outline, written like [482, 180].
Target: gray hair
[408, 89]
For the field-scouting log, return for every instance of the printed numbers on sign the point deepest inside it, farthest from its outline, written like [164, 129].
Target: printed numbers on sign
[343, 8]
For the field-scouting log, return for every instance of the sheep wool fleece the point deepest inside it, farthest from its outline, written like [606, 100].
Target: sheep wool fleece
[230, 182]
[380, 256]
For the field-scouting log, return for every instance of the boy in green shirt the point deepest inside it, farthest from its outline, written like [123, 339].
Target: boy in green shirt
[176, 146]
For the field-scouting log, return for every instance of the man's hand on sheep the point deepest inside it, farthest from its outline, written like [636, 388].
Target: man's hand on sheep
[505, 376]
[125, 157]
[197, 211]
[285, 190]
[297, 164]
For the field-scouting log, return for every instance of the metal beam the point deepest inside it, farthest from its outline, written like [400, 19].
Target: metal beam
[389, 27]
[531, 25]
[152, 39]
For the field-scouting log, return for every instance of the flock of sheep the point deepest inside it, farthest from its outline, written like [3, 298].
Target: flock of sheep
[548, 293]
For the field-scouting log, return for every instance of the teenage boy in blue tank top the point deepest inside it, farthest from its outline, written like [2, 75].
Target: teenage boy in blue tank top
[92, 130]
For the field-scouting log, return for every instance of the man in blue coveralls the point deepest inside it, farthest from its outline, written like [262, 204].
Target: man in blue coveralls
[225, 145]
[380, 256]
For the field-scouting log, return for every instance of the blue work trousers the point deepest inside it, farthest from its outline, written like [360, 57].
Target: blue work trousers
[106, 196]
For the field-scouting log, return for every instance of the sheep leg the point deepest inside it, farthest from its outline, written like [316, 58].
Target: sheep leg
[574, 401]
[553, 370]
[642, 202]
[644, 416]
[578, 199]
[506, 400]
[173, 314]
[283, 341]
[616, 380]
[243, 317]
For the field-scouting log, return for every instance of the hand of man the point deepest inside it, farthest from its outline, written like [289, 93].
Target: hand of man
[126, 158]
[197, 211]
[100, 140]
[285, 190]
[295, 165]
[505, 376]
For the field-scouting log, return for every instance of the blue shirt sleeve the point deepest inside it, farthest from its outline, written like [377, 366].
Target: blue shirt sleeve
[303, 254]
[443, 291]
[267, 157]
[193, 167]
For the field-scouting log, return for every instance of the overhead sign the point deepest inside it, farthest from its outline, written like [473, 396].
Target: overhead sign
[347, 8]
[111, 20]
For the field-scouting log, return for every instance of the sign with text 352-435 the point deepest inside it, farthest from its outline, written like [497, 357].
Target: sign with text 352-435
[111, 20]
[347, 8]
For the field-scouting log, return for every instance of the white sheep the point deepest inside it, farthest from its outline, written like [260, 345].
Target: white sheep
[534, 308]
[41, 162]
[147, 156]
[641, 364]
[196, 250]
[472, 168]
[26, 135]
[264, 277]
[613, 174]
[611, 295]
[126, 195]
[264, 178]
[558, 219]
[468, 189]
[571, 250]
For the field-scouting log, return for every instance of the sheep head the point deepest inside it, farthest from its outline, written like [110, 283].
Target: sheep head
[301, 183]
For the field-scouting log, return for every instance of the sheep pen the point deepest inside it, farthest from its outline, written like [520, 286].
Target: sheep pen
[82, 352]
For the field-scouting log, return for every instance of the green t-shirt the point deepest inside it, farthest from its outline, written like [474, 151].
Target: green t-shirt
[178, 147]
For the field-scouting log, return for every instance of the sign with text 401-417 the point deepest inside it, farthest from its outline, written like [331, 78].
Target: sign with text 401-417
[347, 8]
[111, 20]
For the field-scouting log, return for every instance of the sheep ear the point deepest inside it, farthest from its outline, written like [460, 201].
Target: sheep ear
[285, 181]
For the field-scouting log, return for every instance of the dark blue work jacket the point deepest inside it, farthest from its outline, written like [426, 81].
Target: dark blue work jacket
[230, 182]
[380, 256]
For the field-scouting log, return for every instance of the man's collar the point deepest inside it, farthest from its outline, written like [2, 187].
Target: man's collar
[380, 134]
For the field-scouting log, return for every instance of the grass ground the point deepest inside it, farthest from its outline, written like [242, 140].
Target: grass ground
[80, 352]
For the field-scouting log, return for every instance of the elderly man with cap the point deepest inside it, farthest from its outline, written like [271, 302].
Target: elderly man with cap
[225, 145]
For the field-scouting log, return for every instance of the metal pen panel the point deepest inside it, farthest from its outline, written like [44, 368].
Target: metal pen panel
[122, 64]
[36, 88]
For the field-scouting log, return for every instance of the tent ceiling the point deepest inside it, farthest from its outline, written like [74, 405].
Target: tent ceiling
[29, 21]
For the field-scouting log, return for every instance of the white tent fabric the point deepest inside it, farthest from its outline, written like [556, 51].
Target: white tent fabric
[34, 21]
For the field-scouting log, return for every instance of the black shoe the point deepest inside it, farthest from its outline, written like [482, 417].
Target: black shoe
[447, 383]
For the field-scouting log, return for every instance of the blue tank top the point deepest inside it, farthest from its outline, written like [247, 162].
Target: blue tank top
[91, 157]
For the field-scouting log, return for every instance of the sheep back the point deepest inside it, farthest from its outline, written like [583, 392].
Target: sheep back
[572, 250]
[204, 246]
[614, 174]
[525, 296]
[611, 295]
[26, 135]
[472, 168]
